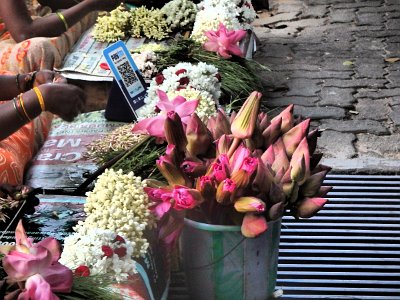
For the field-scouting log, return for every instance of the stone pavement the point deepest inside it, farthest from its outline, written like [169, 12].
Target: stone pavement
[336, 60]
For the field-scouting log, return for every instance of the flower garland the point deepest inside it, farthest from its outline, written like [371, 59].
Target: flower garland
[97, 252]
[234, 14]
[201, 81]
[118, 203]
[112, 27]
[180, 14]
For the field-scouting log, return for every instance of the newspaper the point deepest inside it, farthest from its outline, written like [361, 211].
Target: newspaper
[84, 60]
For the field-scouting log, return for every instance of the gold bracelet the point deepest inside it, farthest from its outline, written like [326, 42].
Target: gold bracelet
[62, 18]
[21, 101]
[40, 98]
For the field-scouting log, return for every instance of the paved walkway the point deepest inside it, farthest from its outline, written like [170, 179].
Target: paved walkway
[336, 61]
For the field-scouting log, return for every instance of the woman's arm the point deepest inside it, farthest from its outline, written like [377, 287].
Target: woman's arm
[16, 16]
[58, 4]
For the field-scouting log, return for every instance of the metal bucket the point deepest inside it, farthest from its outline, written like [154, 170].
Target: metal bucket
[219, 263]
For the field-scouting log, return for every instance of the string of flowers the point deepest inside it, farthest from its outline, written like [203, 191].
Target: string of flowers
[180, 14]
[118, 203]
[97, 251]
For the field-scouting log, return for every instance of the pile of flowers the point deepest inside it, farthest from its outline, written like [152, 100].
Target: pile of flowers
[180, 14]
[234, 14]
[112, 27]
[97, 251]
[146, 63]
[118, 203]
[245, 169]
[192, 81]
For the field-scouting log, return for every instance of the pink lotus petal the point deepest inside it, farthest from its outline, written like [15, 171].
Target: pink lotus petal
[19, 266]
[253, 225]
[53, 246]
[153, 126]
[21, 237]
[161, 209]
[187, 108]
[59, 277]
[36, 288]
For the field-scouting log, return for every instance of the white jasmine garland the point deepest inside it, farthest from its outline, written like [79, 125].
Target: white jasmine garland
[118, 203]
[203, 84]
[85, 248]
[234, 14]
[145, 62]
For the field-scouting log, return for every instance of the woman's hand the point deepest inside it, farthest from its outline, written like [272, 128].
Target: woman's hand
[104, 5]
[64, 100]
[48, 76]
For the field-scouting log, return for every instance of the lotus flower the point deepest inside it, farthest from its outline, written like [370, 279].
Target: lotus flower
[155, 126]
[224, 41]
[37, 265]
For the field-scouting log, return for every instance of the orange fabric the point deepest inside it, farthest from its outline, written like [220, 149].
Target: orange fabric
[18, 149]
[39, 53]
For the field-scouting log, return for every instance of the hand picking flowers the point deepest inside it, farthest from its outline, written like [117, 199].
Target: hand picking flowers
[244, 169]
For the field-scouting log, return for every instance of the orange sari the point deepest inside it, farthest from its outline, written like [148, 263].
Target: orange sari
[39, 53]
[19, 148]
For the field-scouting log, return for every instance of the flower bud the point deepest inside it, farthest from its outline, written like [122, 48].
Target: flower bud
[243, 125]
[225, 191]
[253, 225]
[223, 144]
[313, 184]
[293, 137]
[301, 151]
[174, 132]
[185, 198]
[249, 204]
[171, 173]
[205, 186]
[298, 169]
[281, 160]
[272, 132]
[287, 118]
[276, 211]
[193, 168]
[308, 207]
[198, 136]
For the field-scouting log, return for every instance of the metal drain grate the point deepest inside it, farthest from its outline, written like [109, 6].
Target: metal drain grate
[350, 250]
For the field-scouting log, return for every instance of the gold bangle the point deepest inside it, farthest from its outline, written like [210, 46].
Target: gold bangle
[40, 98]
[21, 101]
[62, 18]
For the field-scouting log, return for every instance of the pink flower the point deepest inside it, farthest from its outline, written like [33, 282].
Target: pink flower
[155, 126]
[33, 260]
[161, 198]
[185, 198]
[224, 41]
[36, 287]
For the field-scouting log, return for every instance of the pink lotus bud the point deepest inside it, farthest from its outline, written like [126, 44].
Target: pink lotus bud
[249, 204]
[198, 136]
[315, 159]
[298, 169]
[243, 125]
[225, 191]
[241, 178]
[287, 118]
[238, 157]
[253, 225]
[185, 198]
[174, 132]
[301, 151]
[312, 140]
[308, 207]
[193, 168]
[276, 211]
[276, 193]
[171, 173]
[268, 157]
[219, 171]
[323, 191]
[205, 186]
[281, 160]
[293, 137]
[263, 121]
[272, 132]
[223, 144]
[312, 185]
[219, 125]
[262, 180]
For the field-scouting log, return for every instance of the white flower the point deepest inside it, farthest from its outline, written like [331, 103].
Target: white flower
[190, 81]
[116, 199]
[85, 248]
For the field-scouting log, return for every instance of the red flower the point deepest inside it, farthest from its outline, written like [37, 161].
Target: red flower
[218, 76]
[82, 271]
[184, 81]
[121, 252]
[108, 252]
[180, 71]
[120, 239]
[159, 79]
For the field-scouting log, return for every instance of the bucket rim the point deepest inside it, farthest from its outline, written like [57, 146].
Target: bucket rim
[212, 227]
